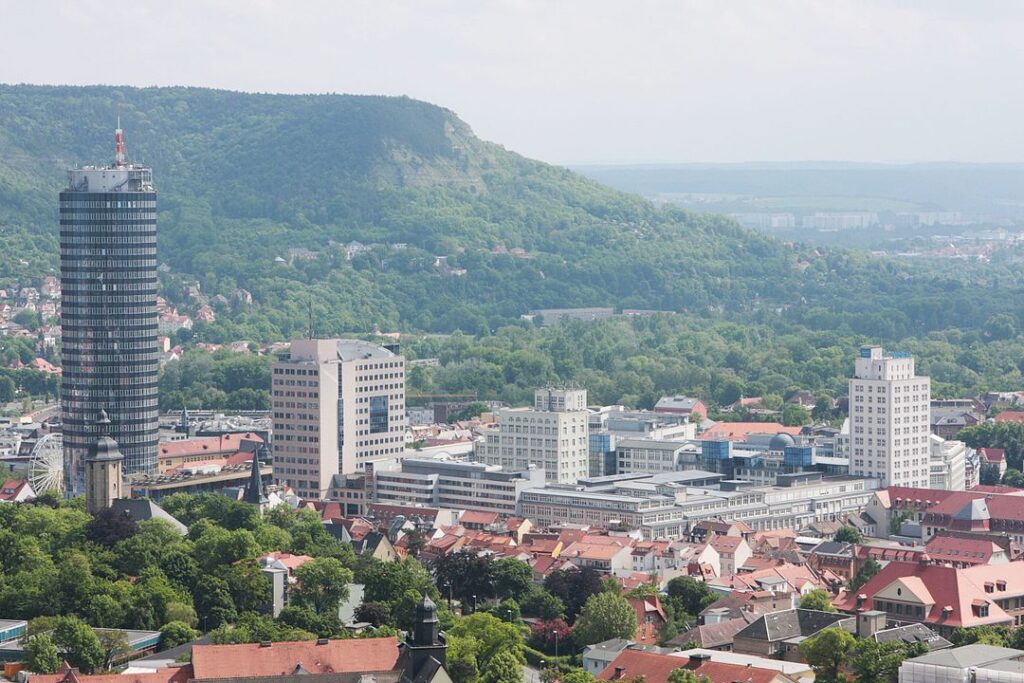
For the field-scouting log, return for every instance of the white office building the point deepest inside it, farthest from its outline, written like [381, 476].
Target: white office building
[889, 419]
[552, 435]
[337, 404]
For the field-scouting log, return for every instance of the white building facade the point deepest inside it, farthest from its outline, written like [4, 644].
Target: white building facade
[553, 436]
[889, 419]
[337, 404]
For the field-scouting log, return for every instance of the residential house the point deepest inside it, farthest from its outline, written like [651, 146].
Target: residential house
[714, 636]
[16, 491]
[655, 668]
[650, 618]
[779, 634]
[601, 553]
[942, 597]
[994, 457]
[682, 405]
[732, 551]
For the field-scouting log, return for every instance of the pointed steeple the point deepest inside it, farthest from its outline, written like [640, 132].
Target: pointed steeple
[255, 494]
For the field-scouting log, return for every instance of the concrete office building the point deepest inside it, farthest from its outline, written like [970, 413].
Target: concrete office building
[889, 419]
[337, 404]
[453, 484]
[108, 313]
[552, 435]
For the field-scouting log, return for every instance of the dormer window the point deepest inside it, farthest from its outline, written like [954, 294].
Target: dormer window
[989, 587]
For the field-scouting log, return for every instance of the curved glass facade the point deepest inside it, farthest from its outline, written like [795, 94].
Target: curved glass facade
[109, 322]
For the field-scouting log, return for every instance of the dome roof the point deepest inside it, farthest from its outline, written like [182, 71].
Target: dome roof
[780, 441]
[105, 448]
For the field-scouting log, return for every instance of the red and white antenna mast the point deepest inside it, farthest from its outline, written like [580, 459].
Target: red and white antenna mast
[119, 141]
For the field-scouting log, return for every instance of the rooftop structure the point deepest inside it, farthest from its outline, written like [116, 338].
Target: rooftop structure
[108, 312]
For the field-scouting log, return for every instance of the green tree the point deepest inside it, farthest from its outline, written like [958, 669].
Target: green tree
[8, 390]
[682, 675]
[79, 644]
[688, 595]
[577, 676]
[826, 652]
[817, 599]
[175, 633]
[864, 574]
[539, 603]
[512, 578]
[879, 662]
[503, 668]
[488, 636]
[41, 655]
[321, 585]
[605, 616]
[795, 415]
[848, 534]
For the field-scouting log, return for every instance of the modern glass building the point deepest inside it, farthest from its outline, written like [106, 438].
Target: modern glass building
[108, 312]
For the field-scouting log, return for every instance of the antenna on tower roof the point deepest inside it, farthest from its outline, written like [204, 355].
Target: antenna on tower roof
[309, 331]
[119, 141]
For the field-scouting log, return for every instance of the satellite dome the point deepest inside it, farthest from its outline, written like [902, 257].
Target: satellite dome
[780, 441]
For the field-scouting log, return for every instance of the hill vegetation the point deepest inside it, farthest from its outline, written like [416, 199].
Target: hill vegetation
[267, 193]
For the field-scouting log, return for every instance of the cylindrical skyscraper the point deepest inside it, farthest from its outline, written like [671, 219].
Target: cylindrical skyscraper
[108, 312]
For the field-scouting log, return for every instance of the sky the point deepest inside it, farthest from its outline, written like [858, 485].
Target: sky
[585, 81]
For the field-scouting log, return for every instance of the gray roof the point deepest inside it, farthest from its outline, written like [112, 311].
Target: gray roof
[833, 548]
[976, 510]
[354, 349]
[913, 633]
[677, 402]
[141, 509]
[792, 623]
[968, 655]
[711, 635]
[606, 650]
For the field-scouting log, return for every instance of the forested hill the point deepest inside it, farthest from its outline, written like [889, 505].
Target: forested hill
[245, 178]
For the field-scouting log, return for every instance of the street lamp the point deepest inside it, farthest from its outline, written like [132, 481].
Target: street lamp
[540, 672]
[474, 604]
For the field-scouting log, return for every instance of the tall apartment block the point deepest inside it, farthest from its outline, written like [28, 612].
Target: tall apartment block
[108, 312]
[889, 419]
[552, 435]
[337, 404]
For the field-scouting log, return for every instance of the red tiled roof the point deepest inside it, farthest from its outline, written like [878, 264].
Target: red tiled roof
[290, 562]
[477, 517]
[961, 550]
[725, 544]
[207, 445]
[738, 431]
[1010, 416]
[655, 668]
[178, 674]
[11, 489]
[957, 588]
[281, 659]
[993, 455]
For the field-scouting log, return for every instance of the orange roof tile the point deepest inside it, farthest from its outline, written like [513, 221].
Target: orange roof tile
[739, 431]
[281, 659]
[655, 668]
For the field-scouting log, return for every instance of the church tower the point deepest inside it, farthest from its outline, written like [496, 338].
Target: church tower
[426, 647]
[103, 475]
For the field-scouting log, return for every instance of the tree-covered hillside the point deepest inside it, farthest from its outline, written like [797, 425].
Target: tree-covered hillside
[245, 179]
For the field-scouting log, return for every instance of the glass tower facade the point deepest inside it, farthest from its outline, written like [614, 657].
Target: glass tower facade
[108, 314]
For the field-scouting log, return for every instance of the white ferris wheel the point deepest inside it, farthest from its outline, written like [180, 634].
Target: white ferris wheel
[46, 465]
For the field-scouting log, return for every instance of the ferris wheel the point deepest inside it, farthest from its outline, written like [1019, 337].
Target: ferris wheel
[46, 465]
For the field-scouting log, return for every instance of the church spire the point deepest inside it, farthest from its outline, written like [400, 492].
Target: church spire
[254, 491]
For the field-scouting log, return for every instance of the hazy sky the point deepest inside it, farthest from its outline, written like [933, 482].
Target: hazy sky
[585, 81]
